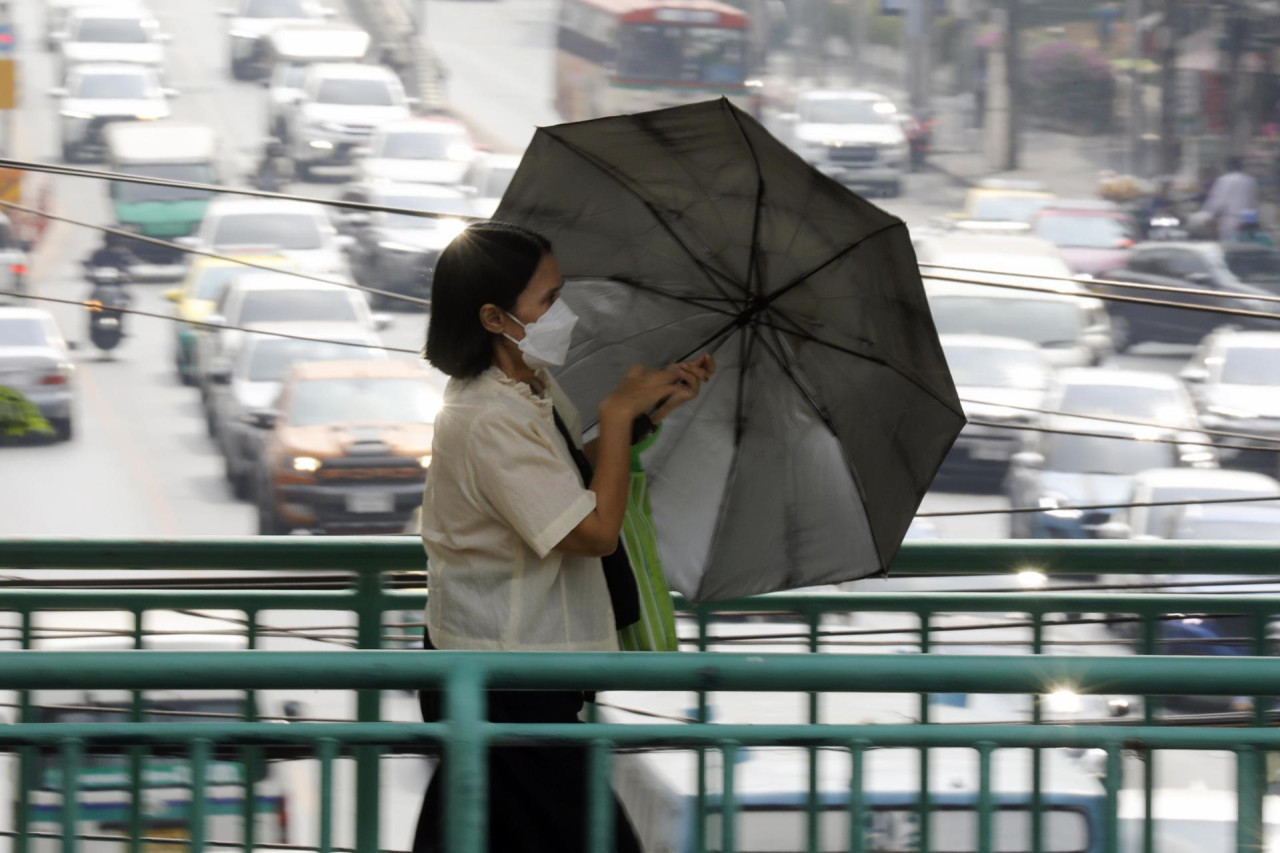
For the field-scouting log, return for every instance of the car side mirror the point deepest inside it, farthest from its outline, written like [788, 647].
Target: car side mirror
[1113, 530]
[265, 82]
[381, 321]
[1194, 375]
[170, 93]
[356, 219]
[163, 38]
[73, 346]
[59, 92]
[262, 419]
[220, 376]
[345, 242]
[1027, 459]
[26, 245]
[216, 320]
[189, 242]
[173, 294]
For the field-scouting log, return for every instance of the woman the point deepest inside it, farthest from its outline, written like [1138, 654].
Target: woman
[517, 515]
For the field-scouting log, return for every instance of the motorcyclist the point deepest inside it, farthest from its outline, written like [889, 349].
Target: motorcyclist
[1250, 230]
[114, 253]
[275, 169]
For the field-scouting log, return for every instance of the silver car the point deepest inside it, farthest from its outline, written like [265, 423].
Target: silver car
[249, 21]
[35, 361]
[97, 95]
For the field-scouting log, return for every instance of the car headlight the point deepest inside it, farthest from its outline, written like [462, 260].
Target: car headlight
[76, 114]
[308, 464]
[425, 461]
[151, 116]
[1054, 505]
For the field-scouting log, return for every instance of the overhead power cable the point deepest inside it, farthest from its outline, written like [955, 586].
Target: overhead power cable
[1153, 440]
[204, 253]
[215, 326]
[1089, 507]
[1106, 282]
[1125, 421]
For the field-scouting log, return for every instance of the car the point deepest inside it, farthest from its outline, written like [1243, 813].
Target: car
[333, 120]
[998, 380]
[55, 17]
[1071, 326]
[1007, 259]
[1249, 270]
[98, 95]
[1059, 470]
[249, 21]
[853, 136]
[1183, 484]
[13, 259]
[999, 205]
[255, 298]
[350, 448]
[1093, 237]
[248, 384]
[291, 50]
[119, 32]
[423, 150]
[1234, 378]
[35, 361]
[398, 251]
[299, 230]
[195, 299]
[489, 175]
[1137, 395]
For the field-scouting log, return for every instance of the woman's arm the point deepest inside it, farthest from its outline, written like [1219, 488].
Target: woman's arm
[692, 375]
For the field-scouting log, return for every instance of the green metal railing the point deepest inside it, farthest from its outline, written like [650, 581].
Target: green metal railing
[369, 577]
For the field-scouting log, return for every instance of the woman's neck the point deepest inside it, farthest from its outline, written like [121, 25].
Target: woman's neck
[513, 365]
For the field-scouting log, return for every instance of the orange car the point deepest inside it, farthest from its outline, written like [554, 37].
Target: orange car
[349, 448]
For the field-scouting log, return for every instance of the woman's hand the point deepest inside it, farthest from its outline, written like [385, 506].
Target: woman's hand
[640, 391]
[692, 375]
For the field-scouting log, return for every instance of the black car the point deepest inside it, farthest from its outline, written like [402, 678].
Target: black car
[1237, 268]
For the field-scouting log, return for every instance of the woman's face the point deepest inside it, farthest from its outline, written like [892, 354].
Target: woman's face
[538, 296]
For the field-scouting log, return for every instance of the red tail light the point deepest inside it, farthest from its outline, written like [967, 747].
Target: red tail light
[18, 269]
[53, 379]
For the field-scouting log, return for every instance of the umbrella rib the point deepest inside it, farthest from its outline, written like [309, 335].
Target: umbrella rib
[754, 275]
[800, 279]
[711, 273]
[789, 370]
[648, 288]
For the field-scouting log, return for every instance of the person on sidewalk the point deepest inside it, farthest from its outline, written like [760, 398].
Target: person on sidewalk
[1230, 196]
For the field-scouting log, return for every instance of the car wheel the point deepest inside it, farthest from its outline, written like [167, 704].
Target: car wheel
[69, 153]
[1121, 334]
[61, 428]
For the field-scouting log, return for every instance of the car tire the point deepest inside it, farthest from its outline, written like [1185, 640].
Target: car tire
[62, 429]
[303, 170]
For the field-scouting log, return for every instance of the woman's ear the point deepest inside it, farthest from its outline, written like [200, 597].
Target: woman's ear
[493, 318]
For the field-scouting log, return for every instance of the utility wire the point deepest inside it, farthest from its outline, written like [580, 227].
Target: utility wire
[1162, 288]
[248, 329]
[204, 253]
[1082, 507]
[1111, 435]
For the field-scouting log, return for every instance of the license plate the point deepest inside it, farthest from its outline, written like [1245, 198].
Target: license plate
[989, 452]
[371, 502]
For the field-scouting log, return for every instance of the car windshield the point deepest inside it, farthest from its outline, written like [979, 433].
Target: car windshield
[989, 367]
[21, 332]
[1006, 208]
[845, 111]
[111, 31]
[1250, 366]
[1159, 404]
[294, 231]
[124, 87]
[275, 9]
[1081, 454]
[1260, 265]
[449, 206]
[1083, 232]
[213, 282]
[1040, 321]
[1161, 519]
[198, 173]
[270, 360]
[677, 53]
[297, 306]
[397, 401]
[291, 76]
[422, 145]
[355, 92]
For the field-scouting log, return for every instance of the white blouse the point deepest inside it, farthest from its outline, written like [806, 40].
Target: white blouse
[501, 493]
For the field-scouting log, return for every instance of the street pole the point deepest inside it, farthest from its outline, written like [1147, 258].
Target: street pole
[1013, 82]
[919, 16]
[1168, 46]
[1132, 17]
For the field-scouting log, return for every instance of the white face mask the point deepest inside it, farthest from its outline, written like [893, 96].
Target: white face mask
[546, 340]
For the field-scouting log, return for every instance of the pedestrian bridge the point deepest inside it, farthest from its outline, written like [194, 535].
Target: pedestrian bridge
[1043, 700]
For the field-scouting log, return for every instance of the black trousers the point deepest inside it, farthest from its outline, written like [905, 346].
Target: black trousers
[537, 794]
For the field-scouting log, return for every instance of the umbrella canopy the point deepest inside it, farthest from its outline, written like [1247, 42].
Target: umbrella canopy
[691, 229]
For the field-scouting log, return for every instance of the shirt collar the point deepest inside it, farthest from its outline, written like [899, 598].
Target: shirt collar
[522, 389]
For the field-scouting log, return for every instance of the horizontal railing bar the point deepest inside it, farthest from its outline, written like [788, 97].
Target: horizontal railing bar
[363, 554]
[92, 599]
[387, 670]
[656, 735]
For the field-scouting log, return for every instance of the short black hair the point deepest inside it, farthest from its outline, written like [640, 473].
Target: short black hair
[489, 262]
[1235, 163]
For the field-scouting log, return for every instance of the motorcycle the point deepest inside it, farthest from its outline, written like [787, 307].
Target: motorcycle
[919, 132]
[106, 317]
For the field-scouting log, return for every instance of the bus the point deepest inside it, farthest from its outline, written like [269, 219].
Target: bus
[627, 56]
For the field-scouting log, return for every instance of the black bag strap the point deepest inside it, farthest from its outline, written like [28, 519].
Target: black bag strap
[623, 592]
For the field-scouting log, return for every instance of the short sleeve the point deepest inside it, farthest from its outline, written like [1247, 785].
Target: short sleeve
[519, 473]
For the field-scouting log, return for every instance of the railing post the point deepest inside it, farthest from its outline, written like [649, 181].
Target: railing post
[1148, 625]
[728, 799]
[925, 807]
[1111, 811]
[700, 804]
[811, 803]
[201, 749]
[1249, 800]
[138, 754]
[1037, 755]
[26, 759]
[857, 804]
[252, 754]
[986, 805]
[368, 710]
[328, 752]
[466, 797]
[72, 757]
[600, 827]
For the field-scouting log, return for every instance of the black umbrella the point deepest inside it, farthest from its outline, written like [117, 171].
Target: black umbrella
[692, 228]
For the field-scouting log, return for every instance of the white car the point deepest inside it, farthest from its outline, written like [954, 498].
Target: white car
[35, 362]
[248, 21]
[489, 176]
[56, 12]
[97, 95]
[1137, 395]
[292, 50]
[112, 33]
[853, 136]
[1183, 484]
[341, 105]
[1234, 377]
[298, 230]
[426, 150]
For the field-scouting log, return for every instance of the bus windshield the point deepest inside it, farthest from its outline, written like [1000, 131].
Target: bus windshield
[196, 173]
[674, 53]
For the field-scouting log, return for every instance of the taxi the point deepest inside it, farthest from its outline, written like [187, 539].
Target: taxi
[1001, 206]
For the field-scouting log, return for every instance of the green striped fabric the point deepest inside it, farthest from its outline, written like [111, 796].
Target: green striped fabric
[656, 630]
